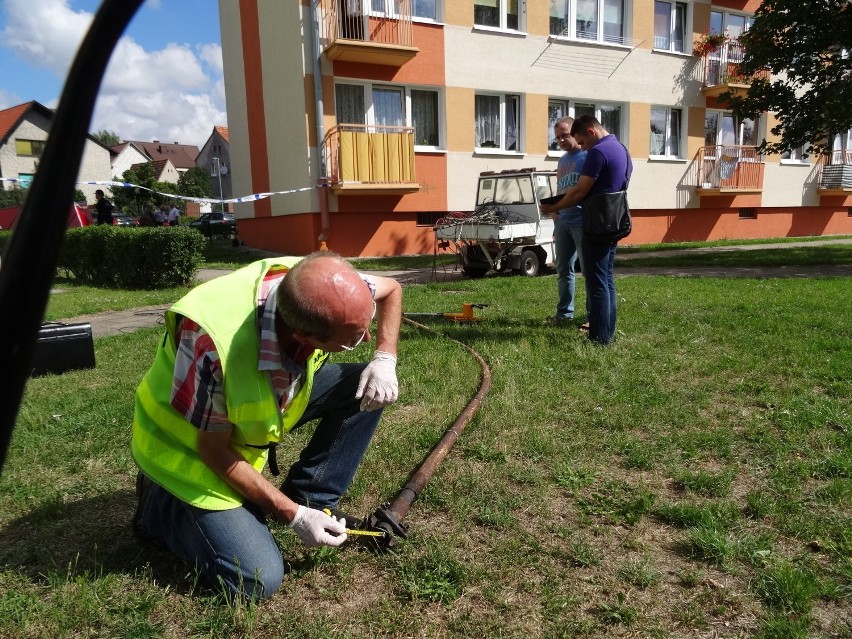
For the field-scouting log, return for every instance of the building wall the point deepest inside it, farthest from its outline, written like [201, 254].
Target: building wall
[126, 159]
[275, 144]
[94, 164]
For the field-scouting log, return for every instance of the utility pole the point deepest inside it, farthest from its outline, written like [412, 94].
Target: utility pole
[219, 174]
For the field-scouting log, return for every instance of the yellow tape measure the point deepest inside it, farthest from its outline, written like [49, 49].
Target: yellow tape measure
[353, 531]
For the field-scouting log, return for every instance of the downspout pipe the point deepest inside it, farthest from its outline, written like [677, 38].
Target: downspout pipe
[319, 114]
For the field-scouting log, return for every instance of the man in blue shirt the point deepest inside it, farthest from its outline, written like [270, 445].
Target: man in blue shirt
[607, 169]
[567, 222]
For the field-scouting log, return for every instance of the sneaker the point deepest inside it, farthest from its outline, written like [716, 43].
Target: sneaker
[558, 320]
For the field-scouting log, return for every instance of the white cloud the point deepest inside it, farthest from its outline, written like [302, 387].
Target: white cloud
[173, 94]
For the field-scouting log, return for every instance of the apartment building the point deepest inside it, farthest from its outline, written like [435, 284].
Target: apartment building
[387, 111]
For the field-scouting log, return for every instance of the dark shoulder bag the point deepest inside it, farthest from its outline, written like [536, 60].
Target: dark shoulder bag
[606, 216]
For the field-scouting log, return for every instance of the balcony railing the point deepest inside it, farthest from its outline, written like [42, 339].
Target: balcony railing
[836, 170]
[729, 168]
[368, 31]
[721, 70]
[370, 158]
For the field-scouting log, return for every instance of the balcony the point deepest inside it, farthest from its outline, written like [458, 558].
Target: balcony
[728, 169]
[368, 31]
[836, 172]
[721, 71]
[377, 160]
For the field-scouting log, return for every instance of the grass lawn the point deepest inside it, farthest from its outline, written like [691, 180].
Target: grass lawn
[692, 480]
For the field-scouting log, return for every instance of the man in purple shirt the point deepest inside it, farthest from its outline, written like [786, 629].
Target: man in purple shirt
[607, 169]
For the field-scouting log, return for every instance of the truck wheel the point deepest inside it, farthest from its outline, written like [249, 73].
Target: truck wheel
[530, 263]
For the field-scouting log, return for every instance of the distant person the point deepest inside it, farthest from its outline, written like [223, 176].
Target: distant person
[161, 215]
[567, 222]
[174, 216]
[104, 208]
[147, 218]
[607, 169]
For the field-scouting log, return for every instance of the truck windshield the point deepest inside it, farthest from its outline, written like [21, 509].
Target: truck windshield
[514, 189]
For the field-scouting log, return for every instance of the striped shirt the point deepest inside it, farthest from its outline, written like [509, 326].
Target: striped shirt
[197, 386]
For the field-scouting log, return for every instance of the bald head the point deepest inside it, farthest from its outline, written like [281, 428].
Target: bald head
[324, 296]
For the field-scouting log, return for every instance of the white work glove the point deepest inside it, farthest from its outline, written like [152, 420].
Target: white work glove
[378, 386]
[314, 528]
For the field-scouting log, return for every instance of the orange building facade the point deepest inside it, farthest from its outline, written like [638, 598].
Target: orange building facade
[379, 115]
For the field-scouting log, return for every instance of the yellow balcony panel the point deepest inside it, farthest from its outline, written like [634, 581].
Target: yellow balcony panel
[392, 55]
[374, 188]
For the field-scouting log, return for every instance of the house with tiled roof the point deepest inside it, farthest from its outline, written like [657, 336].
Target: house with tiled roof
[24, 130]
[164, 170]
[124, 156]
[215, 156]
[182, 156]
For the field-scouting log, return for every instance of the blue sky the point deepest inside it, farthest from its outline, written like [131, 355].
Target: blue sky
[164, 81]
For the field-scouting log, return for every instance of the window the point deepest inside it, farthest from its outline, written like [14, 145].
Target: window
[500, 14]
[424, 117]
[732, 23]
[497, 122]
[387, 105]
[555, 109]
[669, 25]
[841, 148]
[794, 155]
[666, 132]
[748, 213]
[427, 9]
[722, 129]
[596, 20]
[609, 115]
[385, 7]
[428, 218]
[30, 148]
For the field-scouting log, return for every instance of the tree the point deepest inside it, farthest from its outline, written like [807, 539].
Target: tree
[107, 138]
[195, 182]
[806, 47]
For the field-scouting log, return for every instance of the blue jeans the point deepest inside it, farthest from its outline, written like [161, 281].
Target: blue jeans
[600, 289]
[235, 547]
[569, 249]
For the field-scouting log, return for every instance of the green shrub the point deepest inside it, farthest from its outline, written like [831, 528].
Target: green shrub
[132, 258]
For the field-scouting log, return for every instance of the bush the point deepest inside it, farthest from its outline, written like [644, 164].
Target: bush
[132, 258]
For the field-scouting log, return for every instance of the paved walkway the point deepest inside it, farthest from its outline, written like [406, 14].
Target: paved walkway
[113, 323]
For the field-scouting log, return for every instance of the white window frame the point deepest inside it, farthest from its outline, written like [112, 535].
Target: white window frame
[599, 108]
[687, 21]
[738, 131]
[565, 105]
[505, 98]
[370, 114]
[439, 13]
[725, 15]
[503, 18]
[794, 156]
[600, 37]
[667, 155]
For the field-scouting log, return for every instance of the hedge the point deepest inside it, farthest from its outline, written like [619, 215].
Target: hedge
[130, 257]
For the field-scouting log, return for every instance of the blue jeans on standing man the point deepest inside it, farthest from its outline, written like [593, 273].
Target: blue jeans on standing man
[600, 289]
[235, 547]
[569, 249]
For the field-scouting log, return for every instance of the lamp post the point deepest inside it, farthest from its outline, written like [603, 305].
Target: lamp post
[219, 174]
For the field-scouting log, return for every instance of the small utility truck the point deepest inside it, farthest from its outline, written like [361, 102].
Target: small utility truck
[505, 230]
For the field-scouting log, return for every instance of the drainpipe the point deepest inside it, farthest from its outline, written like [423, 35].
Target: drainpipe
[318, 114]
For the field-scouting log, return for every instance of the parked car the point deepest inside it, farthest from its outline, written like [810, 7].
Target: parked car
[216, 224]
[124, 220]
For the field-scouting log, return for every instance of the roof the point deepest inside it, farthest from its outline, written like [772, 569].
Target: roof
[11, 117]
[223, 131]
[182, 156]
[158, 167]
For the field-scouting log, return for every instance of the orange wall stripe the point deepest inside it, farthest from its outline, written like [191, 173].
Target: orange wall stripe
[255, 113]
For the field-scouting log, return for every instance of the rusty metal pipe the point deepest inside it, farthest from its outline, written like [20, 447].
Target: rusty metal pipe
[389, 516]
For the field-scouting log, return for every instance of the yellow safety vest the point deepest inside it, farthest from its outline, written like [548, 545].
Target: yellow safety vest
[165, 444]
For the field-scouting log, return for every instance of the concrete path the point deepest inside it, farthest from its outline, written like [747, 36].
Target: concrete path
[113, 323]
